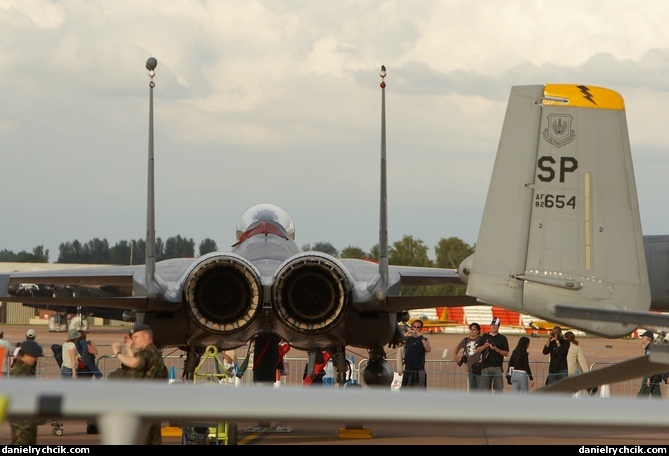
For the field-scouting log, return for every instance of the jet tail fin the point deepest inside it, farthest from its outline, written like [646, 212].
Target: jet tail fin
[561, 223]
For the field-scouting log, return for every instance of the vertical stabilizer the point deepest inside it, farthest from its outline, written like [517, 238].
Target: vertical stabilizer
[561, 222]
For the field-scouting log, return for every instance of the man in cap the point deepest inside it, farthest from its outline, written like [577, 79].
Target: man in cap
[24, 432]
[30, 335]
[493, 348]
[650, 385]
[5, 352]
[557, 347]
[146, 362]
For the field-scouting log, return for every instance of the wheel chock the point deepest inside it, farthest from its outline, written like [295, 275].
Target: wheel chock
[354, 433]
[170, 431]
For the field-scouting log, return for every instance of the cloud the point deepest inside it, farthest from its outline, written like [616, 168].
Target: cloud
[275, 101]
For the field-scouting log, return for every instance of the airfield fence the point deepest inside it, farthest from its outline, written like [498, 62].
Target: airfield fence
[441, 373]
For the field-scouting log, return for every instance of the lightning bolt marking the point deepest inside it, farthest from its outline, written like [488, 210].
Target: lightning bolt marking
[586, 94]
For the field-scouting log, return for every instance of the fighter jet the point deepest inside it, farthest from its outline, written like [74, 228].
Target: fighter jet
[263, 289]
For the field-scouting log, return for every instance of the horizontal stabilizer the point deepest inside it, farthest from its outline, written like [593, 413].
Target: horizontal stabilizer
[646, 319]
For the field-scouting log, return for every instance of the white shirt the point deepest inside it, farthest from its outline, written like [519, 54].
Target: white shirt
[67, 359]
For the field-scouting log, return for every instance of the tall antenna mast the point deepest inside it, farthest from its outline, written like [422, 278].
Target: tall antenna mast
[150, 260]
[383, 223]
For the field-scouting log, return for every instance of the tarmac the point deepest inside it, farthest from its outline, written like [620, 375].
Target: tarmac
[298, 433]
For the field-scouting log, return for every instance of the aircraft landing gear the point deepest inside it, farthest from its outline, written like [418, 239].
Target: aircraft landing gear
[193, 356]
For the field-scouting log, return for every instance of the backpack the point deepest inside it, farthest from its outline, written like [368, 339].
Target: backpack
[58, 354]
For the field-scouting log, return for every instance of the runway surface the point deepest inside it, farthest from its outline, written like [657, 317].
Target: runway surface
[297, 433]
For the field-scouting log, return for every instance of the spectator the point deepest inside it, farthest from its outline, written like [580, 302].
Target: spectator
[650, 385]
[494, 347]
[576, 363]
[68, 369]
[282, 365]
[87, 369]
[470, 355]
[6, 352]
[146, 362]
[229, 358]
[15, 354]
[24, 431]
[415, 349]
[31, 334]
[87, 352]
[322, 358]
[557, 347]
[519, 365]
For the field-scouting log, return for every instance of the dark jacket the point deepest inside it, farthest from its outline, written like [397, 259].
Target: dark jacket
[520, 360]
[88, 359]
[558, 352]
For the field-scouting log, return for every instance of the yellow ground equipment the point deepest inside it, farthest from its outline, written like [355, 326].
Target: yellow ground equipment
[222, 432]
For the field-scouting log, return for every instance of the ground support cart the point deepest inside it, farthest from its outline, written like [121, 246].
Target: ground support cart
[222, 432]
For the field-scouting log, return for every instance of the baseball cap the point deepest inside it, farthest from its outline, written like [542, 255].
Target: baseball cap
[31, 333]
[139, 327]
[495, 321]
[648, 334]
[31, 348]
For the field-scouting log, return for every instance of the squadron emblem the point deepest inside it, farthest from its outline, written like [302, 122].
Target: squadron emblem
[559, 130]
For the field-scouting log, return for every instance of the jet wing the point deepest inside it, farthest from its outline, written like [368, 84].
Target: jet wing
[419, 276]
[111, 313]
[400, 303]
[113, 287]
[365, 272]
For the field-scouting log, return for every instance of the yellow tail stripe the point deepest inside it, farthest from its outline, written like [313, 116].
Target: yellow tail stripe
[583, 96]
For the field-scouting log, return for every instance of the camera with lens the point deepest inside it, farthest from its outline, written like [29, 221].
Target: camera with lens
[553, 334]
[462, 360]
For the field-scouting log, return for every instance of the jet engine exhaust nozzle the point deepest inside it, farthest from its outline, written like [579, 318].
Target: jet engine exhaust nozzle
[312, 294]
[223, 294]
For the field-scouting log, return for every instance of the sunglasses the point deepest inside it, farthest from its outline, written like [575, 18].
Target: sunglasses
[416, 327]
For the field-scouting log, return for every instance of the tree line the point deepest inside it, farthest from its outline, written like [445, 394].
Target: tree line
[98, 251]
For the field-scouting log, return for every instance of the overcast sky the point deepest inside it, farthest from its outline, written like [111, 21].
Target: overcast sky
[279, 101]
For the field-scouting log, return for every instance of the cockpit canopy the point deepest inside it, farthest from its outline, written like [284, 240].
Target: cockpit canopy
[265, 212]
